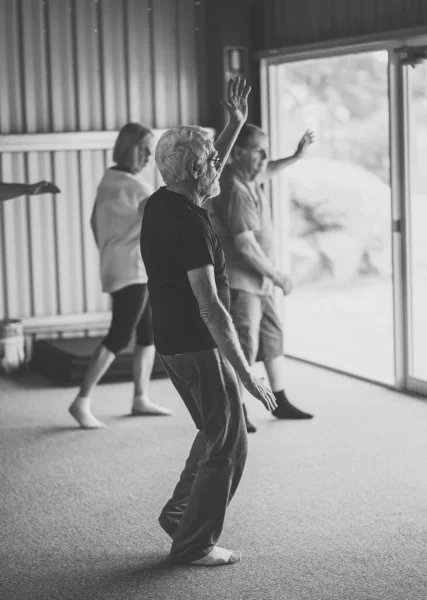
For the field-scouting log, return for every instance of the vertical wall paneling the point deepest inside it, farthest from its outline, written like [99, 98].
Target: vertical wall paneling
[112, 39]
[304, 15]
[357, 14]
[35, 66]
[49, 263]
[71, 72]
[92, 65]
[89, 107]
[42, 241]
[18, 294]
[383, 15]
[139, 61]
[311, 15]
[203, 70]
[61, 58]
[338, 19]
[166, 96]
[11, 110]
[91, 170]
[68, 241]
[108, 158]
[187, 65]
[369, 18]
[335, 10]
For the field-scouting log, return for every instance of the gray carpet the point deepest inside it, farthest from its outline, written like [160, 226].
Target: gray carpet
[331, 509]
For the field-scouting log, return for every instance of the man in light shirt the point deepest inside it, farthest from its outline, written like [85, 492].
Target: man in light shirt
[241, 217]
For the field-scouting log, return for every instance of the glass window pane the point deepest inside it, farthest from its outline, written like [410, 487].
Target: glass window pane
[336, 227]
[417, 239]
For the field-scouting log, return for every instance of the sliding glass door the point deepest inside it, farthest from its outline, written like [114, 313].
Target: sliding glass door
[333, 211]
[415, 89]
[351, 221]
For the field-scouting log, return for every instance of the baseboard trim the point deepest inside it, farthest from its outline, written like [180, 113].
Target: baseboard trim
[66, 323]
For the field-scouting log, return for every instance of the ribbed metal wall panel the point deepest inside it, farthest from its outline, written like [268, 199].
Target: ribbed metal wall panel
[49, 263]
[88, 95]
[82, 66]
[61, 65]
[92, 65]
[49, 258]
[291, 22]
[11, 93]
[140, 62]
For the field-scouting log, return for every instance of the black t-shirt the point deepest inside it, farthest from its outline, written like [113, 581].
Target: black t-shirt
[176, 237]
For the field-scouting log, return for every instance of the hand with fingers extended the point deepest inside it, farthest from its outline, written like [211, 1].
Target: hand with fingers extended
[282, 281]
[259, 390]
[43, 187]
[306, 141]
[237, 99]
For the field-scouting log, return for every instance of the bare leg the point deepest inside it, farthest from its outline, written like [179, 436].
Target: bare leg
[275, 370]
[80, 409]
[143, 361]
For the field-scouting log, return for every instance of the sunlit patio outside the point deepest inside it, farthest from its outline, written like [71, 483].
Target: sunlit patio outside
[338, 226]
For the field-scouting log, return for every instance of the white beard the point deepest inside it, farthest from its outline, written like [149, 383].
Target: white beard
[215, 189]
[209, 188]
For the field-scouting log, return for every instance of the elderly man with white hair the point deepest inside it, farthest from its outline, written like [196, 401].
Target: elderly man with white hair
[194, 334]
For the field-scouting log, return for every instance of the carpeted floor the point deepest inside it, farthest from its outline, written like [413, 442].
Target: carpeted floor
[331, 509]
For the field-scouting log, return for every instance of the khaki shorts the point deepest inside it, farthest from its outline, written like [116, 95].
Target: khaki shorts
[257, 324]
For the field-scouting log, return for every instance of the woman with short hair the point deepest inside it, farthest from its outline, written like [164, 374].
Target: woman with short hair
[116, 225]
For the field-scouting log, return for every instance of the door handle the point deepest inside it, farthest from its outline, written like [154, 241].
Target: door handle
[397, 226]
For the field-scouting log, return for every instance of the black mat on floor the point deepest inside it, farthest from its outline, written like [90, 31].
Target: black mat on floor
[65, 361]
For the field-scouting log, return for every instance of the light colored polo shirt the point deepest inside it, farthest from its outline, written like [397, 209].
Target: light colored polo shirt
[116, 222]
[240, 208]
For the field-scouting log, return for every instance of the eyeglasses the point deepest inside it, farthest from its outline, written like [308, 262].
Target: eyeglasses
[216, 161]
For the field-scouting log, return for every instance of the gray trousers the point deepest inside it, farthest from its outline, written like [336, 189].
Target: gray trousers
[194, 515]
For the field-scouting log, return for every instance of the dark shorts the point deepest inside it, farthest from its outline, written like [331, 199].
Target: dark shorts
[257, 324]
[131, 313]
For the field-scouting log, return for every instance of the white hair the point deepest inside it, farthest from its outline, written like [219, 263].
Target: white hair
[177, 150]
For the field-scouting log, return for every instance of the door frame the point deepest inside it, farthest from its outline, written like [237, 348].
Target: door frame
[399, 172]
[410, 383]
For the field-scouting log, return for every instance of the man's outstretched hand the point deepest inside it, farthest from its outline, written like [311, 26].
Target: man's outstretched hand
[43, 187]
[283, 282]
[259, 390]
[237, 99]
[306, 141]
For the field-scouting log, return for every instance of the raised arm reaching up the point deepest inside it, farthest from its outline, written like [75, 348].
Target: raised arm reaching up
[237, 109]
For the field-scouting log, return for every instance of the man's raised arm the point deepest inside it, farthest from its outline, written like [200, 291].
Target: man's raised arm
[274, 166]
[237, 109]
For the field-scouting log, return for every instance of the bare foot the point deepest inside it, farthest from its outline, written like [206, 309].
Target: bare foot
[142, 407]
[217, 557]
[83, 414]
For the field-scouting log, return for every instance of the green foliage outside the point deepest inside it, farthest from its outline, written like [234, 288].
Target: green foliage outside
[340, 197]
